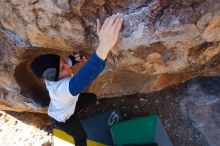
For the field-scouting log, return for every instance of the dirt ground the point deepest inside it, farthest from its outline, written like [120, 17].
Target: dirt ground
[181, 108]
[164, 103]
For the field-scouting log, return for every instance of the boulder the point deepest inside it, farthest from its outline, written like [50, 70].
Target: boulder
[161, 43]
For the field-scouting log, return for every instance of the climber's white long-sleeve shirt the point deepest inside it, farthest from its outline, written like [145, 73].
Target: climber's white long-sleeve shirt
[64, 93]
[62, 102]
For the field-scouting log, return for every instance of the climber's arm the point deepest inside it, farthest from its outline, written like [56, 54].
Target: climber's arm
[108, 35]
[86, 74]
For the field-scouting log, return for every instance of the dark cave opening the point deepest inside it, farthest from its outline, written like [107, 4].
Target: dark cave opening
[31, 87]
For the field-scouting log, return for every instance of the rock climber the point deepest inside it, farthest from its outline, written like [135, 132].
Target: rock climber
[66, 99]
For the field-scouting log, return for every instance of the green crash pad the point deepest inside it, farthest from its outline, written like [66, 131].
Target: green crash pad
[142, 130]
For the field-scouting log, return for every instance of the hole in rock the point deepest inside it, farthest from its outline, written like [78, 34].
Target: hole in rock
[31, 87]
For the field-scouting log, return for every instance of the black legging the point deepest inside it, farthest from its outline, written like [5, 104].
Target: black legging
[72, 126]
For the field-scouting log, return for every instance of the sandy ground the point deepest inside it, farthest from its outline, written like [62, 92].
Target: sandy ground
[24, 129]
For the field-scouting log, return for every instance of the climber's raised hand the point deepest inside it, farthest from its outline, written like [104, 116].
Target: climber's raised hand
[108, 34]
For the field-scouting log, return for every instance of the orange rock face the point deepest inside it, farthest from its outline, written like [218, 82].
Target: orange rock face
[162, 43]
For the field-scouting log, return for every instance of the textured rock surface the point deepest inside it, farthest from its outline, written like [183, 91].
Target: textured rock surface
[162, 42]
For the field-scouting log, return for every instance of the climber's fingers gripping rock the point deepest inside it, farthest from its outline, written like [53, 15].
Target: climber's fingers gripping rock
[108, 34]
